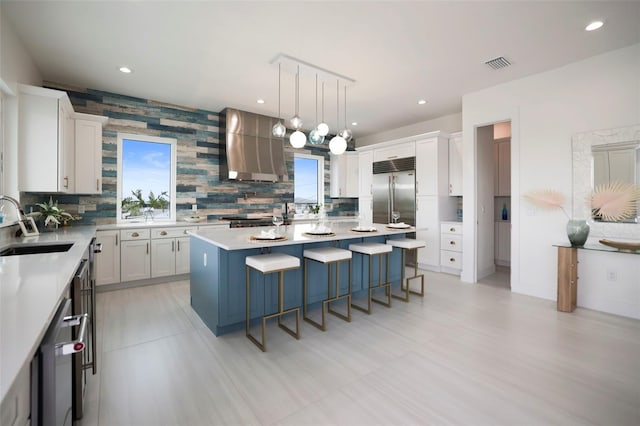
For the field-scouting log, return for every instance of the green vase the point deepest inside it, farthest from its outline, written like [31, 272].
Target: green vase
[578, 232]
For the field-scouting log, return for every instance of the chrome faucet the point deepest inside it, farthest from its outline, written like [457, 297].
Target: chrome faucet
[19, 211]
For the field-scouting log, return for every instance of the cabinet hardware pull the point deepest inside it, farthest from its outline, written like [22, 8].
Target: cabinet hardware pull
[417, 191]
[178, 245]
[135, 234]
[173, 246]
[453, 243]
[185, 232]
[97, 184]
[163, 233]
[392, 156]
[116, 239]
[66, 182]
[452, 260]
[452, 229]
[147, 248]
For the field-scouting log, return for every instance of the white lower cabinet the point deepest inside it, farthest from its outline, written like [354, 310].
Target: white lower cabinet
[16, 404]
[427, 224]
[170, 251]
[136, 264]
[451, 247]
[107, 263]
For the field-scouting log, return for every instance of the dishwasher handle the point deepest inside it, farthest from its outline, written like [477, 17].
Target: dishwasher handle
[97, 248]
[77, 345]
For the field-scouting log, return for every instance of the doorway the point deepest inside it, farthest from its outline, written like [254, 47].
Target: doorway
[494, 204]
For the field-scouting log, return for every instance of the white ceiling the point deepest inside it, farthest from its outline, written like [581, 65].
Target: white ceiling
[212, 55]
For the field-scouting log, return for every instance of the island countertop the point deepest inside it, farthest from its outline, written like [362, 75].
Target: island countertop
[241, 238]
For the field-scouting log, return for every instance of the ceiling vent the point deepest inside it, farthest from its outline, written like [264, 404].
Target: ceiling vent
[498, 63]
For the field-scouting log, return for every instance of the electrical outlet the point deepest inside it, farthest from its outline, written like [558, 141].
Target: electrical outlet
[194, 207]
[612, 275]
[80, 209]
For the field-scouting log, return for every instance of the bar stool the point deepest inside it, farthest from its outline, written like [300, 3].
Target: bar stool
[375, 249]
[329, 256]
[408, 244]
[267, 264]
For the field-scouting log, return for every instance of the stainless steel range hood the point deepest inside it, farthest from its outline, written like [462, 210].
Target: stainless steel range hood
[250, 152]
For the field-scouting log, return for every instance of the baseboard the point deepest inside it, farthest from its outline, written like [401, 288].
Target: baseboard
[141, 283]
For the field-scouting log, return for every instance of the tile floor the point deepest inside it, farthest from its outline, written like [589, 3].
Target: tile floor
[465, 354]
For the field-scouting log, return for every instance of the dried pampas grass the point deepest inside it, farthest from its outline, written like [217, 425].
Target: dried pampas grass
[547, 199]
[615, 201]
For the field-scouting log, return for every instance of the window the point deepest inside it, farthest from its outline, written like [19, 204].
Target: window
[308, 172]
[146, 178]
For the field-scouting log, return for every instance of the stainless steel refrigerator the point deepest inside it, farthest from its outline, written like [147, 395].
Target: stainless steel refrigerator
[394, 183]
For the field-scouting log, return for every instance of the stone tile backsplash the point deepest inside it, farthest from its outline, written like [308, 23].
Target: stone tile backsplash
[198, 159]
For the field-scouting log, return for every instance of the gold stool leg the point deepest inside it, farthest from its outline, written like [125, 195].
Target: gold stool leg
[318, 325]
[404, 289]
[360, 308]
[262, 345]
[386, 285]
[337, 296]
[282, 312]
[415, 275]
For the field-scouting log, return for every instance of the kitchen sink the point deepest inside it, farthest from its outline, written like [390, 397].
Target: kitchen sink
[19, 249]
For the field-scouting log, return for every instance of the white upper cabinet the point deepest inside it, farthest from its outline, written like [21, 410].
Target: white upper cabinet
[365, 170]
[400, 150]
[59, 150]
[455, 164]
[344, 175]
[88, 154]
[502, 167]
[45, 148]
[432, 166]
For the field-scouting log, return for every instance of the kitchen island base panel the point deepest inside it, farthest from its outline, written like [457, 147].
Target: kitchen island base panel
[218, 290]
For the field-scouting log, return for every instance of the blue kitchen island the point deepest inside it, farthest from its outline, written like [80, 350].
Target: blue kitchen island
[217, 260]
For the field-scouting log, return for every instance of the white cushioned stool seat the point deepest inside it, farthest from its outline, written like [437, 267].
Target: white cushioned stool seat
[407, 243]
[272, 262]
[327, 254]
[370, 248]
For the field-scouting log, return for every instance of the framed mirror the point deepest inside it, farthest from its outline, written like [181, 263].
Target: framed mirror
[600, 157]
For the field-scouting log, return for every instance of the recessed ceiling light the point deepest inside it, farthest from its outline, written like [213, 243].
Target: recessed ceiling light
[355, 123]
[422, 102]
[125, 70]
[594, 26]
[260, 101]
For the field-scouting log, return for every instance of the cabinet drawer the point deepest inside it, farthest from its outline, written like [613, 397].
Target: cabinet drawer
[403, 150]
[134, 234]
[451, 259]
[451, 228]
[451, 242]
[171, 232]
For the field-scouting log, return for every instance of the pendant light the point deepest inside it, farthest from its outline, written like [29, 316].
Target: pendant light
[346, 132]
[297, 138]
[323, 128]
[315, 138]
[337, 145]
[278, 130]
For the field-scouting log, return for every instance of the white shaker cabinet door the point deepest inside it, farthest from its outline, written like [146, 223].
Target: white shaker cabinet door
[182, 255]
[107, 262]
[137, 260]
[428, 229]
[163, 257]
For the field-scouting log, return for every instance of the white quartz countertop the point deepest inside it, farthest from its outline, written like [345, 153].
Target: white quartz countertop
[31, 288]
[241, 238]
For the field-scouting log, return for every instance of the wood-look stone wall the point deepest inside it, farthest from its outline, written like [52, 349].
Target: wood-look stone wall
[198, 159]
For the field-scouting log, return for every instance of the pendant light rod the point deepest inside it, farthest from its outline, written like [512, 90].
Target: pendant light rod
[323, 101]
[279, 67]
[316, 98]
[297, 88]
[337, 104]
[345, 106]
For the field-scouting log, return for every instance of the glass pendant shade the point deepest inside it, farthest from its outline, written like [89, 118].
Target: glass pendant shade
[346, 134]
[298, 139]
[323, 129]
[278, 130]
[337, 145]
[296, 122]
[315, 138]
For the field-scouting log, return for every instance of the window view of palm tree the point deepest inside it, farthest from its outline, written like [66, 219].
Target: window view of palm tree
[306, 180]
[146, 179]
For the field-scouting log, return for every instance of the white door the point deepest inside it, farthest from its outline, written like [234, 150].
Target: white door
[107, 263]
[136, 263]
[182, 255]
[163, 257]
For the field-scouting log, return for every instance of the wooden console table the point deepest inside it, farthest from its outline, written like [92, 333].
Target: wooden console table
[568, 272]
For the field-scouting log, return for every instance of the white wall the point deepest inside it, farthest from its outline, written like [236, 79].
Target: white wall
[448, 124]
[545, 111]
[16, 66]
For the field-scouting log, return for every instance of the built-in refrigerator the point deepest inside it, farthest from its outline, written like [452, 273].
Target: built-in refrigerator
[394, 183]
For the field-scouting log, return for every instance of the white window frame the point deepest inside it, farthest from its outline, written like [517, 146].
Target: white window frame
[320, 160]
[172, 196]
